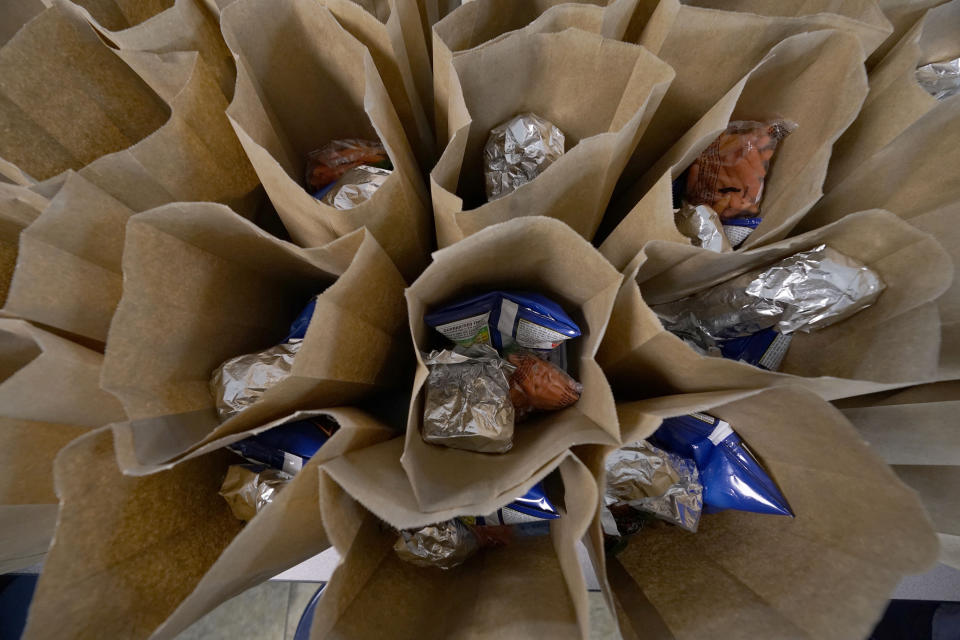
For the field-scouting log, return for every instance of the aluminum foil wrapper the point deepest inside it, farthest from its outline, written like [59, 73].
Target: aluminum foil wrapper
[518, 151]
[702, 225]
[807, 291]
[467, 404]
[248, 490]
[649, 479]
[444, 545]
[940, 79]
[241, 381]
[356, 187]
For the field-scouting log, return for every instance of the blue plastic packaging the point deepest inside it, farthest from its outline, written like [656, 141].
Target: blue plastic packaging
[298, 330]
[286, 447]
[533, 506]
[739, 229]
[765, 349]
[502, 318]
[732, 477]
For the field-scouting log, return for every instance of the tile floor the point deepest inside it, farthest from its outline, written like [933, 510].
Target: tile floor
[271, 611]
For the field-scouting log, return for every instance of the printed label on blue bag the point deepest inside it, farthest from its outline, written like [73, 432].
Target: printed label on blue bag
[773, 357]
[468, 331]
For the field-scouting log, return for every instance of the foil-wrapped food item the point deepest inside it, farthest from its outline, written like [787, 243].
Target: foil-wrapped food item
[444, 545]
[702, 225]
[940, 79]
[467, 404]
[249, 488]
[327, 164]
[519, 150]
[641, 476]
[355, 187]
[241, 381]
[540, 385]
[807, 291]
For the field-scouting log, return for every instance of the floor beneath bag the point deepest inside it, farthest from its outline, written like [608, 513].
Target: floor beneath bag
[271, 611]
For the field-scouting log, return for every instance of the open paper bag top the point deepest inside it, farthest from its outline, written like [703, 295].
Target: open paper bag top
[533, 254]
[531, 588]
[247, 289]
[825, 573]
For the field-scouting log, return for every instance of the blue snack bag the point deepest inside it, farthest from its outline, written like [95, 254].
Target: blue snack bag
[298, 329]
[286, 447]
[504, 318]
[533, 506]
[765, 349]
[732, 477]
[739, 229]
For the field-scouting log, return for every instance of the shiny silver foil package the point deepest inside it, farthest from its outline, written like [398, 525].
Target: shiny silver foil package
[356, 187]
[940, 79]
[444, 545]
[467, 404]
[248, 490]
[807, 291]
[518, 151]
[241, 381]
[650, 479]
[702, 225]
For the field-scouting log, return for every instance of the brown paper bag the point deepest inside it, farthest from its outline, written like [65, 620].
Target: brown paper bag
[121, 565]
[913, 177]
[894, 342]
[711, 44]
[49, 395]
[146, 128]
[914, 431]
[19, 206]
[896, 100]
[527, 254]
[329, 88]
[600, 93]
[246, 287]
[815, 80]
[826, 573]
[902, 15]
[531, 588]
[476, 23]
[68, 268]
[162, 26]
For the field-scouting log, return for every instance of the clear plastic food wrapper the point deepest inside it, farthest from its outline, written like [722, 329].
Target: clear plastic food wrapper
[249, 488]
[286, 447]
[241, 381]
[646, 478]
[807, 291]
[702, 225]
[355, 187]
[940, 79]
[729, 175]
[327, 164]
[467, 403]
[504, 319]
[731, 476]
[519, 150]
[540, 385]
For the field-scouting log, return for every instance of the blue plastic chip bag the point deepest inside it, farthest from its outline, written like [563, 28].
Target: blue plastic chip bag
[765, 349]
[739, 229]
[298, 329]
[502, 318]
[732, 477]
[533, 506]
[286, 447]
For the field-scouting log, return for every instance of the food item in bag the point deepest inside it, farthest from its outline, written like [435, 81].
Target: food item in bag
[731, 476]
[533, 506]
[467, 404]
[444, 545]
[540, 385]
[765, 349]
[355, 187]
[327, 164]
[286, 447]
[729, 175]
[702, 225]
[648, 479]
[940, 79]
[249, 488]
[806, 291]
[504, 319]
[738, 230]
[519, 150]
[241, 381]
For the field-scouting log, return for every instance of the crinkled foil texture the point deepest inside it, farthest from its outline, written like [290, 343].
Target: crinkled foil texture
[247, 490]
[650, 479]
[518, 151]
[444, 545]
[467, 404]
[807, 291]
[701, 224]
[356, 187]
[241, 381]
[940, 79]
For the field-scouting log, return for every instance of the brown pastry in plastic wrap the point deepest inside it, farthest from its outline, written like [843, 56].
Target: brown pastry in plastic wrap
[327, 164]
[540, 385]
